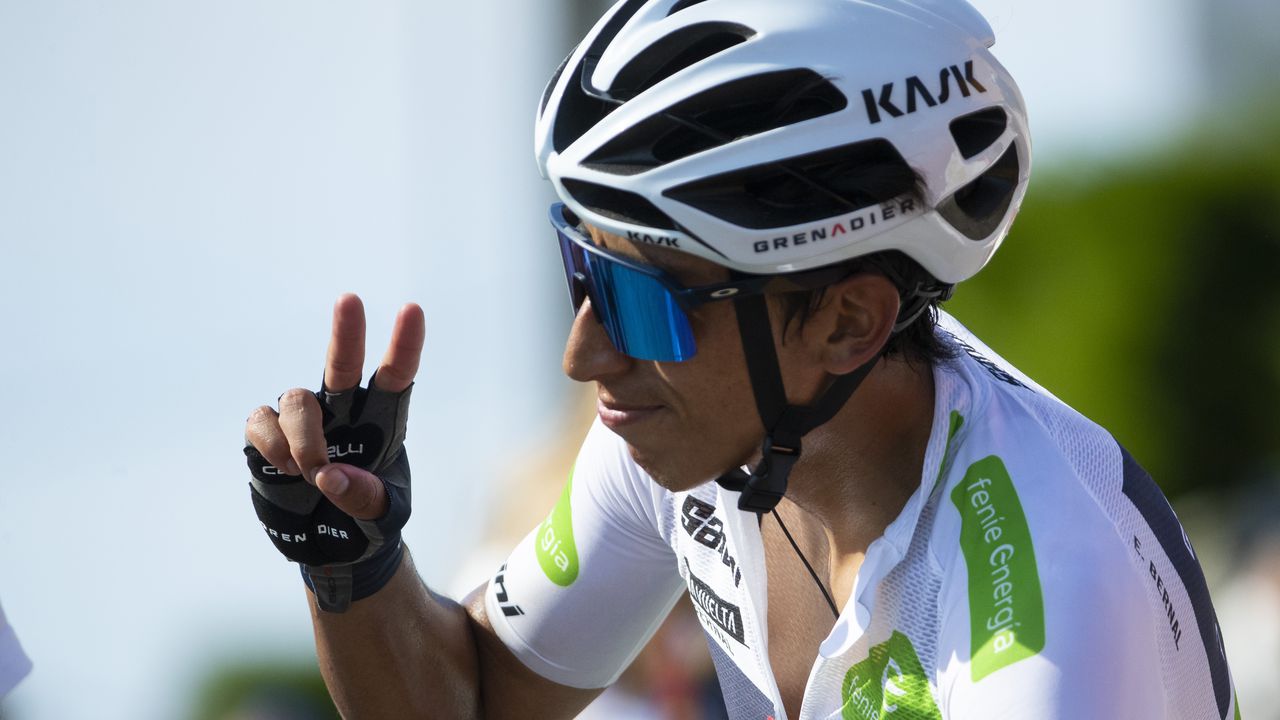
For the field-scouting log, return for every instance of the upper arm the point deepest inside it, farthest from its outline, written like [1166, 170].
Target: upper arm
[580, 596]
[507, 687]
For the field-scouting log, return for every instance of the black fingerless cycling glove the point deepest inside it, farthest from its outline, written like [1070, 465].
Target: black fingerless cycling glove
[342, 558]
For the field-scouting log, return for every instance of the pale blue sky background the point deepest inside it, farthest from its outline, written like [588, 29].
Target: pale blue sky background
[184, 189]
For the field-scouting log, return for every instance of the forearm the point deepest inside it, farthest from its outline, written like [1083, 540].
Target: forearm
[402, 653]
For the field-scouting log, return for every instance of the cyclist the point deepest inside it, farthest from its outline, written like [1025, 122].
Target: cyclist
[874, 515]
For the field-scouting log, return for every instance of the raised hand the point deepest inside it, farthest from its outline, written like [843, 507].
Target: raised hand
[330, 477]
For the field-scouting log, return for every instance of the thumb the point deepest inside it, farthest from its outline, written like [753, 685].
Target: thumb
[356, 492]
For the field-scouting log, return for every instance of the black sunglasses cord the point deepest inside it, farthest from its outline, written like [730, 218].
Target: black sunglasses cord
[826, 595]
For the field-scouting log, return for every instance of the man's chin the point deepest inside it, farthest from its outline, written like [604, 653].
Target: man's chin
[668, 474]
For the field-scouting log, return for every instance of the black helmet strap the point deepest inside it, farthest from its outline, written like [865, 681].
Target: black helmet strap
[784, 424]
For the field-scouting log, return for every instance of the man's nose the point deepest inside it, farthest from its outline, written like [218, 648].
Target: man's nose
[588, 353]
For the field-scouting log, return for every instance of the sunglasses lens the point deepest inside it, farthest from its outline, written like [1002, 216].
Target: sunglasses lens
[639, 314]
[575, 269]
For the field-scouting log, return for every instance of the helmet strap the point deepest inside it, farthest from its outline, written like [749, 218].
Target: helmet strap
[784, 424]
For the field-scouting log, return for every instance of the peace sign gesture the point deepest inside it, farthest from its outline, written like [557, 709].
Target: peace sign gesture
[330, 478]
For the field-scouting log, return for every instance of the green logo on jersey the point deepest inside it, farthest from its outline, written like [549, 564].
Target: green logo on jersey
[957, 421]
[556, 552]
[890, 683]
[1006, 609]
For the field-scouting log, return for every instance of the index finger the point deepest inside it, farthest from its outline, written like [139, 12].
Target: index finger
[346, 346]
[400, 364]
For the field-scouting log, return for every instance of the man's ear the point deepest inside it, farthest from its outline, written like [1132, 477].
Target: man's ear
[853, 323]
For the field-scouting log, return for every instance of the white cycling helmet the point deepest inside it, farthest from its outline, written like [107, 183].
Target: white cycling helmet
[774, 136]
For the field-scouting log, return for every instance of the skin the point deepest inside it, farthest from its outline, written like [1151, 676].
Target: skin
[407, 652]
[708, 423]
[404, 652]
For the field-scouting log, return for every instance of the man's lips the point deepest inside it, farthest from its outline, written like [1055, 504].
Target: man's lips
[616, 414]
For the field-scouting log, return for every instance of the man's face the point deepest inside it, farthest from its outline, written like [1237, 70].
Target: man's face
[686, 422]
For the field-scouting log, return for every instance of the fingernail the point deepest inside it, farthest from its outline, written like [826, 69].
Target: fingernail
[291, 468]
[333, 481]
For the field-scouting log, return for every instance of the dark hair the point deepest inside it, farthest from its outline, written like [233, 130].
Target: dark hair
[917, 343]
[863, 181]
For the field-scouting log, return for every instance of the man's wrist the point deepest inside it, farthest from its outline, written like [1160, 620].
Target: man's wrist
[337, 586]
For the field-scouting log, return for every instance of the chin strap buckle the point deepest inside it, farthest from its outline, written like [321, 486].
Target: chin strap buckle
[763, 489]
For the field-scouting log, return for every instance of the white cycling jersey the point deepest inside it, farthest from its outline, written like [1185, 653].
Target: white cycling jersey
[1037, 572]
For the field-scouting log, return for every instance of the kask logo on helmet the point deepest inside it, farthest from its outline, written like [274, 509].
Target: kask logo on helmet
[917, 91]
[647, 239]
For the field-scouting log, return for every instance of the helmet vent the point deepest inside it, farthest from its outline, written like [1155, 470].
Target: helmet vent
[803, 189]
[619, 205]
[978, 208]
[579, 112]
[582, 105]
[976, 132]
[551, 86]
[675, 52]
[683, 5]
[718, 116]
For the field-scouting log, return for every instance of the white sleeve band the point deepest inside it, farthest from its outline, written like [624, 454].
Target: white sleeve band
[582, 594]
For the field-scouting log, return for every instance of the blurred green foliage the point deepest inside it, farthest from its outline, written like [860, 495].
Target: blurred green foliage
[1143, 292]
[261, 690]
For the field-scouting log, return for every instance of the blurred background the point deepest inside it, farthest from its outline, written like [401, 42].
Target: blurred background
[186, 187]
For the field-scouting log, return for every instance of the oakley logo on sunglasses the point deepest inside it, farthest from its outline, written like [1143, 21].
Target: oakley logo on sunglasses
[647, 239]
[876, 216]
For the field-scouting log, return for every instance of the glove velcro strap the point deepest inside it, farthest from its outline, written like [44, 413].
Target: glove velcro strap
[337, 586]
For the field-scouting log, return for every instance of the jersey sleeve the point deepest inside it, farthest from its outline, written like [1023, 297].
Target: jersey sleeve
[581, 595]
[1043, 613]
[1098, 658]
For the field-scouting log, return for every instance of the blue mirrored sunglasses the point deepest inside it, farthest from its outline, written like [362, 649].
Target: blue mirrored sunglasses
[644, 310]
